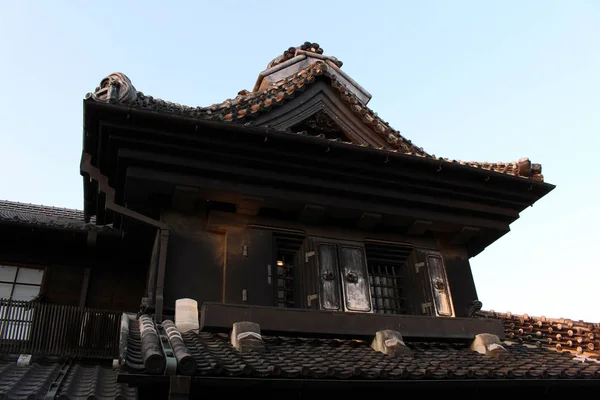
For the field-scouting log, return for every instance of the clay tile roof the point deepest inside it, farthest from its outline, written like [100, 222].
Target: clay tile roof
[12, 212]
[330, 358]
[81, 381]
[558, 334]
[247, 105]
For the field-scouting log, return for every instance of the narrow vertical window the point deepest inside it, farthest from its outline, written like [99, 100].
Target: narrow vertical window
[285, 274]
[285, 281]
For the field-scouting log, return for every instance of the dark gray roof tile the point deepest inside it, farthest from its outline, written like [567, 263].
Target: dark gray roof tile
[12, 212]
[94, 382]
[82, 381]
[291, 357]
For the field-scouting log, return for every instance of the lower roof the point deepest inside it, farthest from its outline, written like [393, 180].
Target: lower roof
[36, 215]
[344, 359]
[48, 380]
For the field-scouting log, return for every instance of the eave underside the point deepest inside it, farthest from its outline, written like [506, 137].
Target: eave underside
[226, 160]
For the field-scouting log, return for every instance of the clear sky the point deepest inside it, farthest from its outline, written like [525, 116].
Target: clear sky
[472, 80]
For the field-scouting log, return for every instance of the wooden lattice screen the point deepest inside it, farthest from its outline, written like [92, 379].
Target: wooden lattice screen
[57, 330]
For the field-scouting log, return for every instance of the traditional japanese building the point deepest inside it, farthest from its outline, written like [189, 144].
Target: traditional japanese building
[324, 251]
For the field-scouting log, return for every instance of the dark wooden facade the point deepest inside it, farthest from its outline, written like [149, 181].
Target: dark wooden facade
[293, 209]
[302, 206]
[315, 203]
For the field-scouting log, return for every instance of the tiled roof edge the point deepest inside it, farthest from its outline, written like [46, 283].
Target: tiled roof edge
[118, 89]
[561, 334]
[46, 216]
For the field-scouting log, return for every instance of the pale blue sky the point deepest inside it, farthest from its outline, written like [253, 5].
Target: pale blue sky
[471, 80]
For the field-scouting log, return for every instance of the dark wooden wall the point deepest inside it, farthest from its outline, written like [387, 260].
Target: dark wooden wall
[62, 284]
[116, 287]
[460, 276]
[195, 260]
[221, 256]
[115, 282]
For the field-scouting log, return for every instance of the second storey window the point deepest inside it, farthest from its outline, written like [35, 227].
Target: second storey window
[372, 276]
[287, 245]
[387, 263]
[20, 283]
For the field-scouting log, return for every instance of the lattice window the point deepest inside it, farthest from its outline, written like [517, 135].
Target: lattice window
[285, 281]
[386, 288]
[386, 263]
[287, 245]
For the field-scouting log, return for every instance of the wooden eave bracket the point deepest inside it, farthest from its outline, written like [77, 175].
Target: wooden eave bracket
[419, 227]
[368, 221]
[312, 213]
[465, 234]
[249, 205]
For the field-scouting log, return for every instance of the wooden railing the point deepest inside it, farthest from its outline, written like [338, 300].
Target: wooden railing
[57, 330]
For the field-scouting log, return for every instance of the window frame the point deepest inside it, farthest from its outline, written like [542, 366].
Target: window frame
[23, 330]
[20, 266]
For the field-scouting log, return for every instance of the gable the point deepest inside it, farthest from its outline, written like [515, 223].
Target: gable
[318, 110]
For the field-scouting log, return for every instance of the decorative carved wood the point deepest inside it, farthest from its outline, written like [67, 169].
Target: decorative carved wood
[321, 123]
[320, 108]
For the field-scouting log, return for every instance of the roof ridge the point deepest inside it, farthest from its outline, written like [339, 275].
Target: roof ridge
[117, 89]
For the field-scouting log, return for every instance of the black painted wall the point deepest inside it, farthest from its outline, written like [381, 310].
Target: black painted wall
[195, 260]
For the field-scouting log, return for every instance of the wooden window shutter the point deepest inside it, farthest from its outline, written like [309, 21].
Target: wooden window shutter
[328, 276]
[440, 290]
[355, 280]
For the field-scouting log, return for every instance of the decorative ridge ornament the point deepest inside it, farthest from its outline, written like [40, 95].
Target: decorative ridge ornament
[288, 77]
[115, 88]
[306, 47]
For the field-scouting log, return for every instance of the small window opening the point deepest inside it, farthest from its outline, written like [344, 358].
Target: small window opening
[287, 245]
[285, 281]
[386, 265]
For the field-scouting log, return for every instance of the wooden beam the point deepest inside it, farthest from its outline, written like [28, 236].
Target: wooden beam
[219, 317]
[277, 173]
[326, 200]
[249, 205]
[419, 227]
[312, 214]
[252, 142]
[465, 234]
[368, 221]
